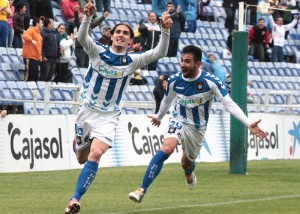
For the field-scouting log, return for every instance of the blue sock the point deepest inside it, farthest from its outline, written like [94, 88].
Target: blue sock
[154, 169]
[85, 179]
[189, 171]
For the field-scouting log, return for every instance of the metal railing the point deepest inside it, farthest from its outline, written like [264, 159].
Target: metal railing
[75, 102]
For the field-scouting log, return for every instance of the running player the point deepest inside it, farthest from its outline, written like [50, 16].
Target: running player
[191, 92]
[104, 84]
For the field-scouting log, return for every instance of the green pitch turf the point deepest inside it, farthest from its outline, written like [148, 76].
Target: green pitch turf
[271, 186]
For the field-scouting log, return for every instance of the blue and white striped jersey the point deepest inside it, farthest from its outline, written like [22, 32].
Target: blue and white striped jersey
[193, 97]
[109, 72]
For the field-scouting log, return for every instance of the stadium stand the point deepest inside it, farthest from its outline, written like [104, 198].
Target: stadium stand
[210, 36]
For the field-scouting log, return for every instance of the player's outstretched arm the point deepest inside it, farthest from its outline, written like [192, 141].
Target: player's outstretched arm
[154, 120]
[256, 130]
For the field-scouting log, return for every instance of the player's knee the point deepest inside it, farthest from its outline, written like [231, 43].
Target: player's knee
[167, 149]
[96, 154]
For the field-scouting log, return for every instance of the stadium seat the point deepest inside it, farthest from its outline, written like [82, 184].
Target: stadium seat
[149, 95]
[131, 96]
[140, 96]
[3, 84]
[28, 108]
[35, 90]
[130, 111]
[3, 75]
[66, 110]
[56, 95]
[6, 94]
[54, 110]
[17, 93]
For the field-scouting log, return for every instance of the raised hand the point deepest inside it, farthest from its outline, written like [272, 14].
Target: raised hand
[89, 9]
[166, 21]
[256, 130]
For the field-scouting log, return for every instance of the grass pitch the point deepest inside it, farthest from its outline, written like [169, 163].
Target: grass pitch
[272, 186]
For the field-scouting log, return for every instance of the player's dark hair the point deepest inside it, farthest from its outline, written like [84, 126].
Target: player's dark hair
[170, 3]
[194, 50]
[127, 25]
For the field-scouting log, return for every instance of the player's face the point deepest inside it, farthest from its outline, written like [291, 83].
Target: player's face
[120, 38]
[189, 67]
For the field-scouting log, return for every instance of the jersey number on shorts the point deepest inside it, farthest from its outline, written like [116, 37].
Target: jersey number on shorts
[173, 125]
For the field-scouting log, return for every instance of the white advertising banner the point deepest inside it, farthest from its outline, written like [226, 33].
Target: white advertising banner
[271, 147]
[33, 143]
[283, 140]
[45, 142]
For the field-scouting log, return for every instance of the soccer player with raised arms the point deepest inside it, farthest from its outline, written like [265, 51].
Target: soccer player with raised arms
[191, 93]
[104, 83]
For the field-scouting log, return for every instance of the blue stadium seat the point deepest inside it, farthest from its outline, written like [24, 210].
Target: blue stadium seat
[54, 110]
[66, 110]
[6, 94]
[134, 88]
[66, 94]
[55, 94]
[130, 111]
[148, 95]
[131, 96]
[60, 19]
[153, 74]
[28, 108]
[17, 93]
[144, 88]
[35, 90]
[3, 84]
[140, 96]
[9, 71]
[27, 94]
[3, 75]
[141, 111]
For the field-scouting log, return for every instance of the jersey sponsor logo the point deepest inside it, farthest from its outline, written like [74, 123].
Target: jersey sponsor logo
[106, 71]
[185, 102]
[200, 86]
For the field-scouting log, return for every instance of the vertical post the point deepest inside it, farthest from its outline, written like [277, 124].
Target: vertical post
[46, 98]
[238, 131]
[241, 16]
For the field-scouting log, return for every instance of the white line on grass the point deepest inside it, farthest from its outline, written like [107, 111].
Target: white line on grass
[209, 204]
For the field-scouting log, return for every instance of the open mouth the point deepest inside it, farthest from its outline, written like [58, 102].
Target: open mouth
[120, 40]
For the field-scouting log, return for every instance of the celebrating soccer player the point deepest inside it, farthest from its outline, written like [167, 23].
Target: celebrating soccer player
[104, 84]
[191, 92]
